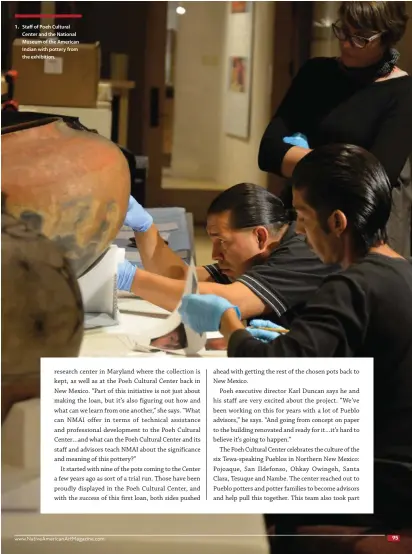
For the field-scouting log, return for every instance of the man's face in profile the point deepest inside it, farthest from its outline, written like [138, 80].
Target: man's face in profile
[235, 250]
[326, 245]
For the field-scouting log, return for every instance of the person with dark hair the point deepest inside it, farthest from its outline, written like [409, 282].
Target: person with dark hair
[360, 98]
[262, 264]
[342, 196]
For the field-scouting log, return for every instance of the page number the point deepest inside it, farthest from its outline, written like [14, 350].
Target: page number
[393, 538]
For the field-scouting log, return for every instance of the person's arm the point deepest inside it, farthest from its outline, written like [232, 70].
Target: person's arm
[167, 293]
[158, 258]
[333, 325]
[156, 255]
[275, 156]
[292, 158]
[392, 144]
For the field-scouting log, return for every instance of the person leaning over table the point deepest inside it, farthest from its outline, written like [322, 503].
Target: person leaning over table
[263, 265]
[342, 196]
[360, 98]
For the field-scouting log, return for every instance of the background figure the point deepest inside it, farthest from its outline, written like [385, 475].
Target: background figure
[360, 98]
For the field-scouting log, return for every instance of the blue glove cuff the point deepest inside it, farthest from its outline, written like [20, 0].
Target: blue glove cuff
[143, 227]
[125, 275]
[218, 321]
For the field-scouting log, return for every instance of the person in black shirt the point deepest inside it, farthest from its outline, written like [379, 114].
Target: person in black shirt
[361, 98]
[342, 197]
[263, 265]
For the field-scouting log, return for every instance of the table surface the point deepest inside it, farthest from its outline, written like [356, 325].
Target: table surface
[135, 314]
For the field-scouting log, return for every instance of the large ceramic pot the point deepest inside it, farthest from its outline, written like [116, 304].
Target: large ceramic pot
[41, 309]
[72, 186]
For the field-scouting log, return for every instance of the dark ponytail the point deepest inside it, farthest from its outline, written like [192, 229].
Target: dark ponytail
[250, 206]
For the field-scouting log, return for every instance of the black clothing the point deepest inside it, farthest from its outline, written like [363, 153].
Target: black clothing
[364, 311]
[376, 71]
[287, 278]
[217, 275]
[328, 106]
[399, 226]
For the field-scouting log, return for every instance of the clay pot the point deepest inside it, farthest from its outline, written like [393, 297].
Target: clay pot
[72, 186]
[41, 309]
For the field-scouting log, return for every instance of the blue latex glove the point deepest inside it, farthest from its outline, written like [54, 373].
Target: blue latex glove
[203, 312]
[125, 275]
[137, 217]
[298, 139]
[262, 334]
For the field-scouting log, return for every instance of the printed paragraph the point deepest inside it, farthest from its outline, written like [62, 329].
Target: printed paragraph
[155, 435]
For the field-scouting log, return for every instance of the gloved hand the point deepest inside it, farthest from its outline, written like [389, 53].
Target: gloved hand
[298, 139]
[125, 275]
[203, 312]
[137, 217]
[263, 334]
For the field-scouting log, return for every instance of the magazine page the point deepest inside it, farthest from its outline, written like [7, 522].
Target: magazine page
[137, 125]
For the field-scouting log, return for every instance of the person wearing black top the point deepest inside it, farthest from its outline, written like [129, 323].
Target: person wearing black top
[263, 265]
[343, 199]
[361, 98]
[283, 281]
